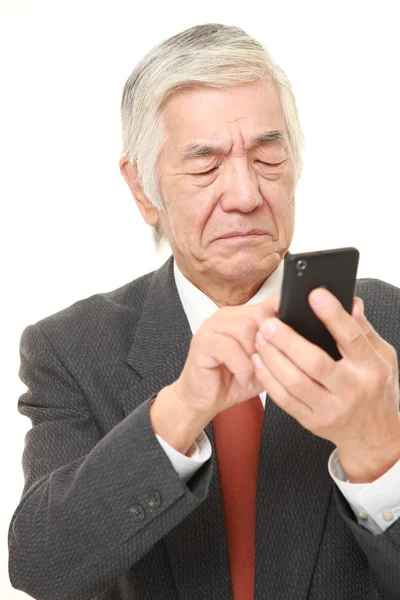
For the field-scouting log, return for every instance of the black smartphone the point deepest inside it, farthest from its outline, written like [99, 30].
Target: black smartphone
[336, 270]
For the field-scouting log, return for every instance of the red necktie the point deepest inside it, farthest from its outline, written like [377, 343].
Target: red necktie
[237, 434]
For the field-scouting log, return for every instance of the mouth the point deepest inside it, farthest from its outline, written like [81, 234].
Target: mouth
[252, 233]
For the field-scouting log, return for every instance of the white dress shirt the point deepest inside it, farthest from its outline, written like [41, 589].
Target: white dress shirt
[376, 504]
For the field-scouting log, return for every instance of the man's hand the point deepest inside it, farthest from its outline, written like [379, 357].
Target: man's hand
[353, 402]
[218, 372]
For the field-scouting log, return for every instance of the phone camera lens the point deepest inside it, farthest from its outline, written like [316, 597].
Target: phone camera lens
[301, 265]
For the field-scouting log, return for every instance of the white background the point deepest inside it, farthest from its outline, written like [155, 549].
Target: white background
[69, 226]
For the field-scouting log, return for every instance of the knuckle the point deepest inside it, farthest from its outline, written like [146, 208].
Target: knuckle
[267, 308]
[194, 342]
[285, 400]
[200, 336]
[204, 327]
[385, 374]
[244, 328]
[353, 339]
[328, 421]
[317, 367]
[297, 384]
[321, 423]
[392, 353]
[381, 373]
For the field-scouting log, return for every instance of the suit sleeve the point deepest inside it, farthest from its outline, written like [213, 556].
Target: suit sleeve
[91, 506]
[370, 502]
[382, 551]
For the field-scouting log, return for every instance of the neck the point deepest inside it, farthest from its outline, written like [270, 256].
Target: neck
[223, 292]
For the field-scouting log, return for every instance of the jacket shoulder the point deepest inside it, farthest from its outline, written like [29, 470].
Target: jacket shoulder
[118, 308]
[377, 291]
[372, 282]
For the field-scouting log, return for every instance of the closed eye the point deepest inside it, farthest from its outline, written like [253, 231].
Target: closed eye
[260, 161]
[271, 164]
[205, 172]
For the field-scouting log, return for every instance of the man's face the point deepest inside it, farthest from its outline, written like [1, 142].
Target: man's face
[214, 194]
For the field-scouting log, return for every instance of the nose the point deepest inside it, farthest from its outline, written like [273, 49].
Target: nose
[240, 188]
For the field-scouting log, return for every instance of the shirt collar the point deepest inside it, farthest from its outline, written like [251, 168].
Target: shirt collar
[198, 306]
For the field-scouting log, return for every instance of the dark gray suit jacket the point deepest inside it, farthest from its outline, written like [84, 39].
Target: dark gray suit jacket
[103, 512]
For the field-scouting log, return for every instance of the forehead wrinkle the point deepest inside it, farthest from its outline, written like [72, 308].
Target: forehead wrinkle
[197, 149]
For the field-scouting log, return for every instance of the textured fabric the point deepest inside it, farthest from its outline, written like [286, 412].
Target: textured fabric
[237, 434]
[373, 498]
[91, 456]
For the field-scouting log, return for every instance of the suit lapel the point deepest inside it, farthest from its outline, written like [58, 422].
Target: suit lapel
[161, 342]
[196, 548]
[293, 489]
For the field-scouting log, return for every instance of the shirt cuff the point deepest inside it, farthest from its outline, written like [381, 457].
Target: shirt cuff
[187, 465]
[375, 504]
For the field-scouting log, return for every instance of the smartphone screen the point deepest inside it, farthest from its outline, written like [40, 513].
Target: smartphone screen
[335, 270]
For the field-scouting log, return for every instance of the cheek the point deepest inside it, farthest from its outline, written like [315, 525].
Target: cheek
[186, 223]
[287, 211]
[283, 196]
[192, 214]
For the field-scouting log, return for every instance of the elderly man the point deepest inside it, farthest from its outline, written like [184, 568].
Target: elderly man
[180, 446]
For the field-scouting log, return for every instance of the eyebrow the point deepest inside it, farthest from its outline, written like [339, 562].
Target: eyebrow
[194, 150]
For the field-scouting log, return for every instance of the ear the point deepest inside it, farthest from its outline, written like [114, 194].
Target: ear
[131, 176]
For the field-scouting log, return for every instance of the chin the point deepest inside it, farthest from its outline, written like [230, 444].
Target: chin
[245, 266]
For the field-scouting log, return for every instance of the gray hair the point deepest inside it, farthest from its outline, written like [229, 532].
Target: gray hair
[210, 55]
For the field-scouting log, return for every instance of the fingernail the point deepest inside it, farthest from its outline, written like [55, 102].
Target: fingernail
[260, 339]
[256, 360]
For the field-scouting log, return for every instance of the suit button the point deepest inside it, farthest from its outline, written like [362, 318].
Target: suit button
[137, 512]
[154, 500]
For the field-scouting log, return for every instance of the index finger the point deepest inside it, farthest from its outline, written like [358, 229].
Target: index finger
[257, 311]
